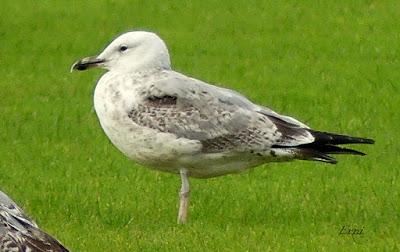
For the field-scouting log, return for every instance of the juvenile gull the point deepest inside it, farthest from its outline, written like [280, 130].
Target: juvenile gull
[18, 233]
[170, 122]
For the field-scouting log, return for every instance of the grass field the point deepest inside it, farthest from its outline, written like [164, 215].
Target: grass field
[332, 65]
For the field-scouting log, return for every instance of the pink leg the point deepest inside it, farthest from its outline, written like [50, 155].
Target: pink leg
[184, 197]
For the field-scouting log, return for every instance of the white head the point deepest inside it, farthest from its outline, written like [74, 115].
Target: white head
[130, 52]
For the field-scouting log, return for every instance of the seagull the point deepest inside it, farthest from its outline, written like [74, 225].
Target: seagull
[170, 122]
[19, 233]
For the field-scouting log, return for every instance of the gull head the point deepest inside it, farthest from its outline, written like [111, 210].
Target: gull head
[130, 52]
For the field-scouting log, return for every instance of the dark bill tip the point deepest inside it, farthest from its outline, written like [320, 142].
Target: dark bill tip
[86, 63]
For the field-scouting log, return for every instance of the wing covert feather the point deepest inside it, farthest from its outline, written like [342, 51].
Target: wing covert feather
[219, 118]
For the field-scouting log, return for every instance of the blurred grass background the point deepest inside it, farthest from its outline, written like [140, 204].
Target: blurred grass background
[332, 64]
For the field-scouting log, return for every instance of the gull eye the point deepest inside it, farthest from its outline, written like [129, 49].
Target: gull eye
[123, 48]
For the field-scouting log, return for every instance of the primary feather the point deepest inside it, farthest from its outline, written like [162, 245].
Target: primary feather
[19, 233]
[169, 121]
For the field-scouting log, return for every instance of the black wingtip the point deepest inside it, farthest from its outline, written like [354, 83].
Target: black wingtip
[335, 139]
[333, 149]
[322, 153]
[330, 161]
[315, 155]
[369, 141]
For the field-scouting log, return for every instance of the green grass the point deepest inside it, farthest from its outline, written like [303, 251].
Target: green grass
[332, 64]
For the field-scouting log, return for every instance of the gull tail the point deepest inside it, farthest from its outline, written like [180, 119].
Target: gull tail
[325, 144]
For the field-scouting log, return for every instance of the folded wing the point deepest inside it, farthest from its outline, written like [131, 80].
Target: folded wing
[18, 233]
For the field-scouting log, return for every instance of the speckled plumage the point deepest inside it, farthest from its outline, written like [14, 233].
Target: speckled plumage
[19, 233]
[171, 122]
[197, 123]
